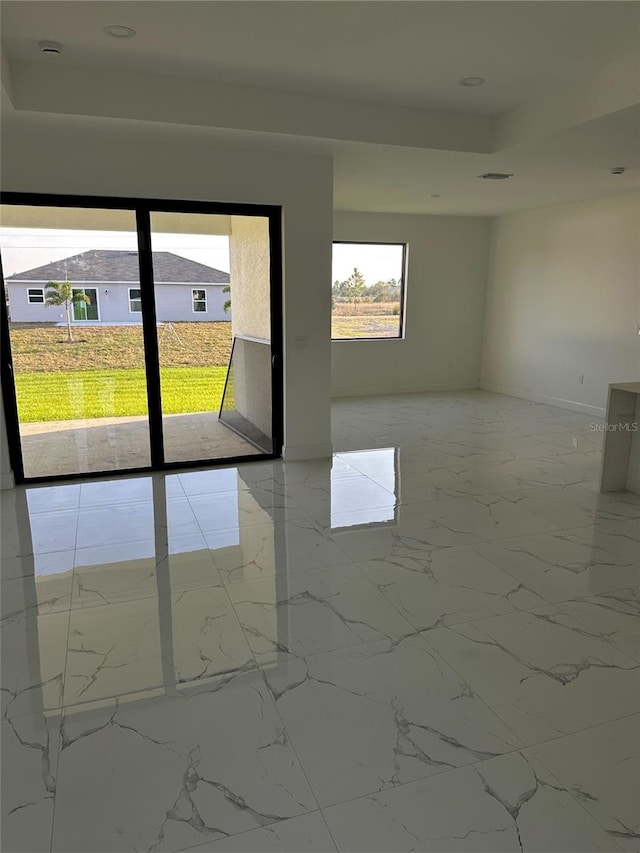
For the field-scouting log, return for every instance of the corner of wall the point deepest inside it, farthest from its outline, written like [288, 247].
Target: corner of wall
[488, 278]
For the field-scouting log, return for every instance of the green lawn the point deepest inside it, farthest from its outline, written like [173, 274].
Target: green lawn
[67, 395]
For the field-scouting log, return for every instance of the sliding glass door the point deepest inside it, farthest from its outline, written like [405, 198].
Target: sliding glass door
[87, 308]
[139, 335]
[78, 366]
[213, 316]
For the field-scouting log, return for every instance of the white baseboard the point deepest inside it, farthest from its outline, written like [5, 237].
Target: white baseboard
[559, 402]
[382, 390]
[300, 452]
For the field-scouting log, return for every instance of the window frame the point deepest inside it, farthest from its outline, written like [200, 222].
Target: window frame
[403, 288]
[137, 299]
[31, 301]
[194, 310]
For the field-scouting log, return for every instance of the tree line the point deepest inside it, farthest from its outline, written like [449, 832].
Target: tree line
[355, 289]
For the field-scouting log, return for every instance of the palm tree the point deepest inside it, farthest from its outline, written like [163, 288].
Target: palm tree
[61, 293]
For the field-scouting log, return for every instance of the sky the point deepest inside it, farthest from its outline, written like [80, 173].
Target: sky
[25, 248]
[375, 262]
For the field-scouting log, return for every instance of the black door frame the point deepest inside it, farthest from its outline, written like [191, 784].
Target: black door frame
[143, 208]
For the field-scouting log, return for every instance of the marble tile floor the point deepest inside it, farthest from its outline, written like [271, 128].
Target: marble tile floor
[430, 643]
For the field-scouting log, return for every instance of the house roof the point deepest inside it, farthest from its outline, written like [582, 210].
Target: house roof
[114, 266]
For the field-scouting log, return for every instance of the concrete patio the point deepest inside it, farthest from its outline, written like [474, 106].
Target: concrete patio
[53, 448]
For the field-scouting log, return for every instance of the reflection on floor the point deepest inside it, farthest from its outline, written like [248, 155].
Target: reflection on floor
[108, 444]
[432, 644]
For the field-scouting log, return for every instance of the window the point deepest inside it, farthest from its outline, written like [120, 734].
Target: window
[199, 300]
[35, 295]
[368, 290]
[135, 302]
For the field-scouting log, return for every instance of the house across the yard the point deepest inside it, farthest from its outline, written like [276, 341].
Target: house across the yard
[186, 290]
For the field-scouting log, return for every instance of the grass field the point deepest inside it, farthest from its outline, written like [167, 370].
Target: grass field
[101, 375]
[70, 395]
[40, 348]
[364, 327]
[379, 309]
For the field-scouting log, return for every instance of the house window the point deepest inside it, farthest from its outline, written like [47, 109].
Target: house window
[35, 295]
[368, 291]
[135, 302]
[199, 300]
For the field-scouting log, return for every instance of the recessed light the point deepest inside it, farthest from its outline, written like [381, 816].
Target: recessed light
[471, 81]
[51, 48]
[117, 31]
[496, 176]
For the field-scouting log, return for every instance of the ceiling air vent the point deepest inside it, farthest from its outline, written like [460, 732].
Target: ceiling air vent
[496, 176]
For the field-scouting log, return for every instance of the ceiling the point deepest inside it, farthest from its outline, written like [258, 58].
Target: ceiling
[411, 53]
[570, 165]
[374, 82]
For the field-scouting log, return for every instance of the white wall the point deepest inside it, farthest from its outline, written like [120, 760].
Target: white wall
[447, 263]
[563, 299]
[60, 155]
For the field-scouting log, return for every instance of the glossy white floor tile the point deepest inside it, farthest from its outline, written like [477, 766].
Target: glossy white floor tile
[30, 747]
[431, 642]
[484, 518]
[567, 563]
[445, 586]
[34, 628]
[167, 773]
[314, 611]
[615, 616]
[542, 672]
[305, 834]
[508, 803]
[600, 768]
[377, 715]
